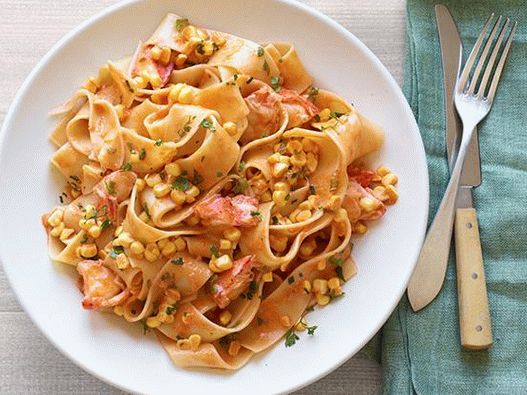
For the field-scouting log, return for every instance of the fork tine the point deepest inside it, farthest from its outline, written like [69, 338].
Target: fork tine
[499, 68]
[483, 57]
[492, 60]
[473, 54]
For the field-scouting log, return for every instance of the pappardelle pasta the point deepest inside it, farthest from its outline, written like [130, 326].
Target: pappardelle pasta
[212, 192]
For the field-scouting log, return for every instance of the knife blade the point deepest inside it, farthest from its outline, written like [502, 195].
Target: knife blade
[426, 282]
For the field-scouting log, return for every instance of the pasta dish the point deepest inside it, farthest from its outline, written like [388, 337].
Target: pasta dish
[212, 192]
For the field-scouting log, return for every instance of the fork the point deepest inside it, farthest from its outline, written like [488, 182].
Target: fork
[472, 106]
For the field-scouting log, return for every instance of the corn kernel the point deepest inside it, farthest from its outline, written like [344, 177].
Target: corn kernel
[134, 158]
[311, 162]
[360, 228]
[89, 211]
[168, 249]
[88, 250]
[118, 230]
[303, 215]
[368, 204]
[314, 201]
[225, 317]
[324, 114]
[392, 194]
[305, 205]
[193, 191]
[284, 159]
[232, 234]
[161, 243]
[186, 95]
[225, 244]
[234, 348]
[161, 190]
[278, 242]
[181, 59]
[383, 170]
[294, 147]
[267, 277]
[153, 179]
[153, 322]
[165, 54]
[178, 196]
[173, 169]
[293, 214]
[299, 160]
[123, 240]
[341, 215]
[220, 264]
[301, 325]
[173, 95]
[307, 286]
[155, 80]
[279, 198]
[122, 261]
[183, 344]
[195, 341]
[322, 300]
[321, 265]
[137, 248]
[118, 310]
[231, 128]
[274, 158]
[86, 224]
[95, 231]
[279, 169]
[57, 230]
[380, 193]
[56, 217]
[66, 233]
[389, 179]
[139, 82]
[333, 283]
[168, 319]
[334, 202]
[180, 244]
[285, 321]
[308, 247]
[155, 52]
[193, 220]
[282, 186]
[320, 286]
[140, 184]
[150, 256]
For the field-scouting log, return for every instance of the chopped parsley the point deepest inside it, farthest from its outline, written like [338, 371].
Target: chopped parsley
[241, 166]
[197, 179]
[260, 52]
[84, 239]
[240, 186]
[110, 187]
[181, 184]
[180, 24]
[290, 338]
[336, 115]
[145, 327]
[312, 190]
[127, 166]
[260, 321]
[336, 261]
[158, 143]
[207, 124]
[142, 154]
[339, 272]
[275, 83]
[171, 309]
[106, 224]
[116, 251]
[266, 67]
[312, 94]
[256, 214]
[291, 280]
[317, 118]
[253, 287]
[219, 174]
[274, 220]
[178, 261]
[214, 251]
[311, 329]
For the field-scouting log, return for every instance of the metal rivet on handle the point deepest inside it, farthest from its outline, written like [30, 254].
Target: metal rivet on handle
[469, 225]
[474, 275]
[479, 328]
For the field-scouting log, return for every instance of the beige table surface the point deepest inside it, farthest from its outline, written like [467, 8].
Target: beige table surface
[28, 29]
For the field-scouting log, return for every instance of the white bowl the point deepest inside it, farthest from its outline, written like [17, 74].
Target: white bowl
[118, 352]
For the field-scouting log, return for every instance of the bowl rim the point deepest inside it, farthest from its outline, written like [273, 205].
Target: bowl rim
[420, 153]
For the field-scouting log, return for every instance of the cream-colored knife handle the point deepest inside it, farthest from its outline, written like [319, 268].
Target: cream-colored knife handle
[474, 317]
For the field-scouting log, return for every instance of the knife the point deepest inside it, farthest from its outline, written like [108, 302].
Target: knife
[423, 288]
[474, 316]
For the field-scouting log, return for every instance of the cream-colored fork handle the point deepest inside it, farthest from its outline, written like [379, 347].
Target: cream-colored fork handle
[429, 274]
[474, 317]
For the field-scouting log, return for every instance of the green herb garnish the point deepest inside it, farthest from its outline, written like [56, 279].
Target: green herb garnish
[290, 338]
[207, 124]
[181, 184]
[158, 143]
[178, 261]
[116, 251]
[214, 251]
[110, 187]
[127, 167]
[260, 51]
[311, 329]
[142, 154]
[181, 24]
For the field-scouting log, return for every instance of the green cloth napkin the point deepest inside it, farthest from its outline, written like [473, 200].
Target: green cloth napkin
[421, 352]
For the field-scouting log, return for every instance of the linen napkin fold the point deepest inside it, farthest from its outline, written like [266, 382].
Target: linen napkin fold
[421, 352]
